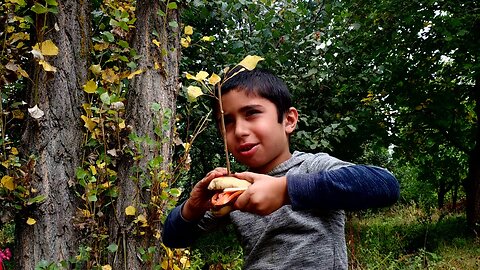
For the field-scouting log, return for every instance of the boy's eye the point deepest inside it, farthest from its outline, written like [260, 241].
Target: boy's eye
[228, 120]
[251, 112]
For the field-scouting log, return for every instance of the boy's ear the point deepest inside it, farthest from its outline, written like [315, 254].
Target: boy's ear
[291, 118]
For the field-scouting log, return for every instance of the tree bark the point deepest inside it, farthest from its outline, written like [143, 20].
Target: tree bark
[55, 139]
[472, 184]
[158, 84]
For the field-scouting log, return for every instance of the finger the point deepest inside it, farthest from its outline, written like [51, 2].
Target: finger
[249, 176]
[242, 201]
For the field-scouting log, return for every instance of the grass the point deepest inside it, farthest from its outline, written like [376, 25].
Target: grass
[407, 237]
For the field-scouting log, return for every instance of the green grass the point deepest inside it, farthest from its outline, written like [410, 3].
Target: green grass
[410, 238]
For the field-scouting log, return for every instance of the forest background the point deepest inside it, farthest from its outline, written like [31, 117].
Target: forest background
[103, 131]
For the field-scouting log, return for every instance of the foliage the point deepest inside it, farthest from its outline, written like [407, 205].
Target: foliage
[407, 237]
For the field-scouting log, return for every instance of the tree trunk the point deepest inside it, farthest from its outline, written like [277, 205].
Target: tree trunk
[55, 139]
[472, 185]
[157, 85]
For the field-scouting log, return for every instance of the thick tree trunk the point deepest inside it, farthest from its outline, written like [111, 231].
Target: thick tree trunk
[158, 84]
[56, 139]
[472, 185]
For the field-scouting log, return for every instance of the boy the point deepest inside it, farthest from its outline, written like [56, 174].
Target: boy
[292, 216]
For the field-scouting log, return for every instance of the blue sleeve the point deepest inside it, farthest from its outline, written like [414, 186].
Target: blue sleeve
[178, 232]
[353, 187]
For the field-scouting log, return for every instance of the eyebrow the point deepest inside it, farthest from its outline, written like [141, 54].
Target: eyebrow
[249, 107]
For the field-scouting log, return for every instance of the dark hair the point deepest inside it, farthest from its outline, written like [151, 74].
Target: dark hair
[258, 82]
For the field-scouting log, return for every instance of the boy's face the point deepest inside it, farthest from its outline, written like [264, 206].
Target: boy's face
[254, 136]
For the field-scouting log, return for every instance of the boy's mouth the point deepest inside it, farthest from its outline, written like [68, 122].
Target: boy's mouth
[247, 148]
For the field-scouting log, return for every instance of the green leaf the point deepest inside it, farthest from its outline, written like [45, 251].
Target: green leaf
[173, 24]
[112, 248]
[108, 36]
[92, 198]
[39, 8]
[105, 98]
[52, 3]
[37, 199]
[172, 5]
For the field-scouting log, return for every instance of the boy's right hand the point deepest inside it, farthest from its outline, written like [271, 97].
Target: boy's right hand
[199, 201]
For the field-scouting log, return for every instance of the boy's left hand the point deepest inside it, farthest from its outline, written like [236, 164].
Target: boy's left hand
[264, 196]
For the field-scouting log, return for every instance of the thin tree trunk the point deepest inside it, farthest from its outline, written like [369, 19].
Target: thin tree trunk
[157, 85]
[472, 184]
[55, 139]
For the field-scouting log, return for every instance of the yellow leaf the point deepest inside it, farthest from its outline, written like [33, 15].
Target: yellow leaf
[134, 73]
[202, 75]
[110, 76]
[121, 125]
[188, 30]
[93, 169]
[130, 211]
[88, 108]
[184, 42]
[157, 66]
[193, 92]
[18, 114]
[250, 62]
[7, 182]
[106, 267]
[88, 123]
[46, 66]
[100, 46]
[37, 54]
[214, 79]
[156, 42]
[96, 69]
[189, 76]
[90, 87]
[22, 72]
[31, 221]
[143, 220]
[14, 151]
[208, 38]
[48, 48]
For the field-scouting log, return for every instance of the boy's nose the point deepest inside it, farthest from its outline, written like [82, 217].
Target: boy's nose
[241, 128]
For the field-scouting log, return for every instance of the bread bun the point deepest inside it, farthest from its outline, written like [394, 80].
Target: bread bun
[223, 182]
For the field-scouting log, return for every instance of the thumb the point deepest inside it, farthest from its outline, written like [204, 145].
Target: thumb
[248, 176]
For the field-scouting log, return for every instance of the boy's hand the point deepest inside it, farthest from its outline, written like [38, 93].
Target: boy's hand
[199, 201]
[264, 196]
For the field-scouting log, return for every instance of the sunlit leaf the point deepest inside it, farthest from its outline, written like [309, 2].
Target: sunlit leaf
[208, 38]
[39, 8]
[89, 124]
[90, 87]
[250, 61]
[96, 69]
[188, 30]
[31, 221]
[46, 66]
[189, 76]
[156, 42]
[193, 92]
[134, 73]
[7, 182]
[48, 48]
[202, 75]
[106, 267]
[130, 211]
[214, 79]
[184, 42]
[14, 151]
[36, 112]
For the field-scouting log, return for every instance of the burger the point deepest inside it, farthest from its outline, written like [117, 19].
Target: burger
[227, 189]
